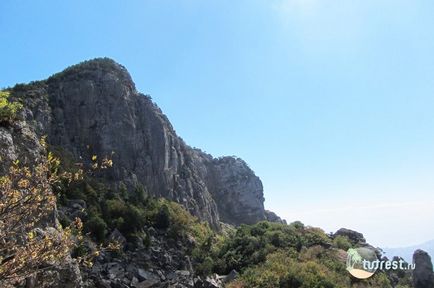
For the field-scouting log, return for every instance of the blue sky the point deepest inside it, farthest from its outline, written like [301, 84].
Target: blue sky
[330, 102]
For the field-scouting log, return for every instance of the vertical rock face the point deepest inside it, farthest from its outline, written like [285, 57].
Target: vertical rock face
[94, 109]
[423, 275]
[19, 142]
[237, 191]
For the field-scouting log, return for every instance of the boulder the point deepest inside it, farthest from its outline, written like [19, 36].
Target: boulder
[148, 283]
[143, 275]
[423, 276]
[230, 277]
[354, 236]
[116, 236]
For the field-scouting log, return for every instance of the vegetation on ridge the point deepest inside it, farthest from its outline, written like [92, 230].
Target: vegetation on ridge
[270, 255]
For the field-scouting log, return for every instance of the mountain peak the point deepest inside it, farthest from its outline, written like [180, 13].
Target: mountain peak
[96, 68]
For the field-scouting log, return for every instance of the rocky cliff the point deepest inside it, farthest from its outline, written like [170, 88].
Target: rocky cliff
[93, 108]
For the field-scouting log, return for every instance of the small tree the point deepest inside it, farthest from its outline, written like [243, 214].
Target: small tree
[162, 219]
[28, 241]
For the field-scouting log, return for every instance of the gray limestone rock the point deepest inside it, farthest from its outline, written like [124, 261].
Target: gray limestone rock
[423, 275]
[272, 217]
[237, 191]
[354, 236]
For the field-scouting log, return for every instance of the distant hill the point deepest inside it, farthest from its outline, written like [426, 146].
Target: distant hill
[407, 252]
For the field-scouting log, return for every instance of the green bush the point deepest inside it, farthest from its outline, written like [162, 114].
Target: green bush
[297, 225]
[134, 219]
[124, 216]
[138, 195]
[8, 110]
[115, 208]
[166, 214]
[97, 227]
[342, 242]
[118, 223]
[314, 236]
[206, 267]
[162, 218]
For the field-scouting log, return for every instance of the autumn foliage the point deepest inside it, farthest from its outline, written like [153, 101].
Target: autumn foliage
[30, 238]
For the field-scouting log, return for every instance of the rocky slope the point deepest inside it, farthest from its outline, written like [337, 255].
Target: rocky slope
[93, 108]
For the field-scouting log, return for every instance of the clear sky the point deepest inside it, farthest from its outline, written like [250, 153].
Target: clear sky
[330, 102]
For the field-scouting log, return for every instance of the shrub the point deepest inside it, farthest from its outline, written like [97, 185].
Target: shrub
[124, 216]
[342, 242]
[115, 208]
[314, 236]
[166, 214]
[97, 227]
[25, 200]
[8, 110]
[162, 218]
[206, 267]
[138, 195]
[297, 225]
[118, 223]
[134, 219]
